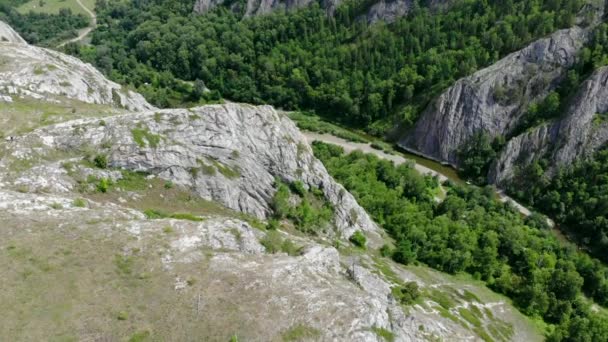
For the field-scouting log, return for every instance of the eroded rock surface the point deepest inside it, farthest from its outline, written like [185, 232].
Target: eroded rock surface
[8, 35]
[580, 132]
[227, 153]
[493, 99]
[34, 72]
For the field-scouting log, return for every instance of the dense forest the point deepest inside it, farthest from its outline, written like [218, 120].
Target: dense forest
[41, 28]
[339, 66]
[576, 197]
[470, 231]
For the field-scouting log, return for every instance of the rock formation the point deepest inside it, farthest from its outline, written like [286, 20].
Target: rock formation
[581, 131]
[40, 73]
[492, 100]
[106, 263]
[386, 10]
[8, 35]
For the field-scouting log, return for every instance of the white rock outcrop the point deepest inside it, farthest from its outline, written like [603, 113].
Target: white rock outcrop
[492, 100]
[34, 72]
[229, 153]
[582, 130]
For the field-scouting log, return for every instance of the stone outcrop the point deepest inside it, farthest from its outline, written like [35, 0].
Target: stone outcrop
[217, 271]
[260, 7]
[229, 153]
[8, 35]
[582, 130]
[34, 72]
[493, 99]
[386, 10]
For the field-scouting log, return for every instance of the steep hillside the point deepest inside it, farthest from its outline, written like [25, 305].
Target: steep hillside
[493, 100]
[38, 73]
[8, 35]
[165, 225]
[387, 11]
[580, 132]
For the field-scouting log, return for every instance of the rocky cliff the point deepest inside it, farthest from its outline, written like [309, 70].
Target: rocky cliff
[8, 35]
[578, 133]
[260, 7]
[229, 154]
[121, 225]
[385, 10]
[45, 74]
[493, 99]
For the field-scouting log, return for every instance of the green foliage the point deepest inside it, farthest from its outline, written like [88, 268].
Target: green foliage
[339, 66]
[471, 231]
[103, 185]
[101, 161]
[407, 293]
[476, 155]
[79, 202]
[133, 180]
[300, 332]
[143, 137]
[230, 172]
[154, 214]
[140, 336]
[273, 242]
[312, 212]
[358, 239]
[385, 334]
[42, 28]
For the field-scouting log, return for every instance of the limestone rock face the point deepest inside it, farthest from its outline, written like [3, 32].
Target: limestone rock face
[8, 35]
[581, 131]
[229, 153]
[386, 10]
[493, 99]
[30, 71]
[260, 7]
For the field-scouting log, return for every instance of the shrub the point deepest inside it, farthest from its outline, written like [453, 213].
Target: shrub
[79, 202]
[406, 293]
[103, 185]
[101, 161]
[386, 251]
[358, 239]
[272, 241]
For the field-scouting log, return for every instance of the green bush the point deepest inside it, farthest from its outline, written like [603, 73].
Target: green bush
[79, 202]
[103, 185]
[407, 293]
[101, 161]
[358, 239]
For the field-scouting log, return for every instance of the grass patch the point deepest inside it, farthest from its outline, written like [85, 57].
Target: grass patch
[470, 296]
[143, 137]
[154, 214]
[483, 334]
[441, 298]
[140, 336]
[300, 332]
[133, 181]
[386, 335]
[124, 264]
[227, 171]
[79, 203]
[469, 317]
[273, 242]
[313, 123]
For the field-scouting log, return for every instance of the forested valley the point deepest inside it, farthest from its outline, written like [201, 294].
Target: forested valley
[370, 77]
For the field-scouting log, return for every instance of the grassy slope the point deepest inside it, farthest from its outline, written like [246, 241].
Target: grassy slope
[53, 6]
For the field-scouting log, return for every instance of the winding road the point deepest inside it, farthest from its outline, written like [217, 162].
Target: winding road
[84, 32]
[350, 146]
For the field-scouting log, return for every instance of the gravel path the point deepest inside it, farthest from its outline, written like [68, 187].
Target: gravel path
[85, 31]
